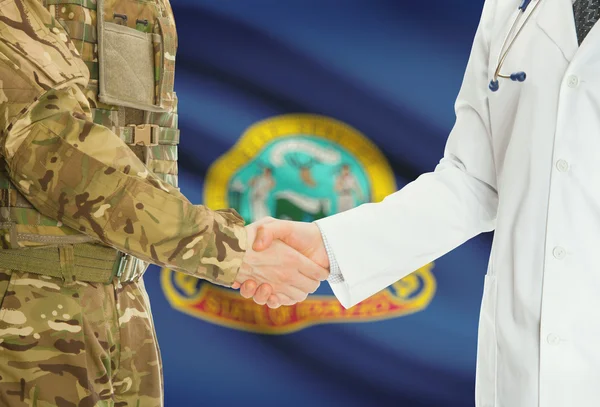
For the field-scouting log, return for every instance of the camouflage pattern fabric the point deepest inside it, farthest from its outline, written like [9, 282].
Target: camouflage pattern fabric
[68, 177]
[76, 345]
[82, 174]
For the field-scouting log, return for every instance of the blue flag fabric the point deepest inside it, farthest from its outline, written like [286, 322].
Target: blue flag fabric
[275, 77]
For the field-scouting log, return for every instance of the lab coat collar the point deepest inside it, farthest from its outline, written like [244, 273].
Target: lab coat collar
[556, 19]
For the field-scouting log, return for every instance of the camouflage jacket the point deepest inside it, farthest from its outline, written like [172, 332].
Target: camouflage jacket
[82, 174]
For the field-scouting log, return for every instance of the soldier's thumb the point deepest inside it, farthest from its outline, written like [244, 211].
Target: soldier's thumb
[264, 238]
[268, 232]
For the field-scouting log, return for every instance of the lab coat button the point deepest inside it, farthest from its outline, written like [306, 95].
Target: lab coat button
[559, 253]
[553, 339]
[573, 81]
[562, 166]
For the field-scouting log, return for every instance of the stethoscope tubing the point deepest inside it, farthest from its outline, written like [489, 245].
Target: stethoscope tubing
[507, 45]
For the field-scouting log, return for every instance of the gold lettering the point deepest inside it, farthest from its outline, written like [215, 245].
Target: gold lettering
[280, 315]
[261, 315]
[304, 309]
[237, 312]
[334, 309]
[317, 309]
[212, 304]
[225, 306]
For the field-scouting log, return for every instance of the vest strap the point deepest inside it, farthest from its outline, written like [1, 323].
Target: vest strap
[148, 135]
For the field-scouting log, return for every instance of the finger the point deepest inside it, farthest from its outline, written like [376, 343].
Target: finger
[236, 285]
[293, 293]
[262, 294]
[268, 232]
[304, 284]
[263, 239]
[248, 289]
[277, 300]
[273, 302]
[311, 270]
[285, 300]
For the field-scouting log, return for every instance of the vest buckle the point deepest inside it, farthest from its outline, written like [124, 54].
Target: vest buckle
[144, 134]
[119, 266]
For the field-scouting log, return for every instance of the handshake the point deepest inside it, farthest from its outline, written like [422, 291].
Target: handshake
[284, 262]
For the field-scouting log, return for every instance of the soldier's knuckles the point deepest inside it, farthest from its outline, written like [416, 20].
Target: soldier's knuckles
[264, 291]
[273, 302]
[244, 292]
[259, 300]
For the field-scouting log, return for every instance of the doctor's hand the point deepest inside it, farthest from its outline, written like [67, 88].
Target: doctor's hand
[304, 237]
[284, 272]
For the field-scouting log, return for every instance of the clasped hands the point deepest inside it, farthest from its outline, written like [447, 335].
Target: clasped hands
[285, 262]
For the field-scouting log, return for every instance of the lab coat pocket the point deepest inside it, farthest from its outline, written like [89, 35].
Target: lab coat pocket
[485, 382]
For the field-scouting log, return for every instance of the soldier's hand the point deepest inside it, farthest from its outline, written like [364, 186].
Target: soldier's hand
[303, 237]
[284, 273]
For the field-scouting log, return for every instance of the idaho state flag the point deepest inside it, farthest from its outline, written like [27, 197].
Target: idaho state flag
[299, 110]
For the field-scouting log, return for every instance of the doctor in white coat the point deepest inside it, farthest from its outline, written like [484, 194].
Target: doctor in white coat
[523, 160]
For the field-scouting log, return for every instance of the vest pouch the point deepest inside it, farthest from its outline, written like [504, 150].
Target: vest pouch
[126, 54]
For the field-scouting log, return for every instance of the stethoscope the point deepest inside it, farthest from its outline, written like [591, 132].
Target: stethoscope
[517, 76]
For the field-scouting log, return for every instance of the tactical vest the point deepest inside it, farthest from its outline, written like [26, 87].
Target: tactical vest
[129, 48]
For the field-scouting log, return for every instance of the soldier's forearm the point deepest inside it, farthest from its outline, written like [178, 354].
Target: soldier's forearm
[83, 175]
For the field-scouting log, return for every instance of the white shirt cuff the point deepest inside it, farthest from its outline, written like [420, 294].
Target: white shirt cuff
[335, 274]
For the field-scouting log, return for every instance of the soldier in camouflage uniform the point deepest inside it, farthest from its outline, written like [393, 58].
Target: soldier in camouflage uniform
[89, 197]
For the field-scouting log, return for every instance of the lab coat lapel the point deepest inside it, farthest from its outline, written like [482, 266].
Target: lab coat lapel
[556, 19]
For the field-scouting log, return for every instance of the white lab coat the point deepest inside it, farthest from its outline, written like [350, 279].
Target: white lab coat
[524, 161]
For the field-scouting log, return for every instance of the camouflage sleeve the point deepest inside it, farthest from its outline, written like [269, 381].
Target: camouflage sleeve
[81, 173]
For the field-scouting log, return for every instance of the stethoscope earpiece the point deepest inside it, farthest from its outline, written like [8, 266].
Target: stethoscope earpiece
[494, 86]
[518, 76]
